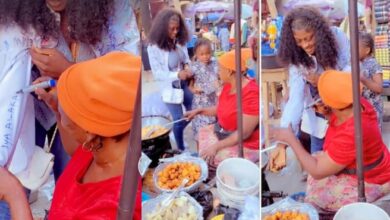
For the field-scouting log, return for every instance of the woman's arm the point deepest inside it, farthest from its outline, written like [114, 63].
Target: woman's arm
[210, 111]
[12, 192]
[293, 109]
[319, 166]
[250, 122]
[375, 84]
[160, 71]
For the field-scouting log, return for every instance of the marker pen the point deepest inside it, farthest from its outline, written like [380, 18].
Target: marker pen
[42, 85]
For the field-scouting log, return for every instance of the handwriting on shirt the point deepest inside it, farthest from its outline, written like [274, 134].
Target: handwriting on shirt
[7, 138]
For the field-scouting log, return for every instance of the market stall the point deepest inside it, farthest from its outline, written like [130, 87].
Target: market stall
[294, 205]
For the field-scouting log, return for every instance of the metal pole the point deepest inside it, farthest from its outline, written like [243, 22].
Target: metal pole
[354, 31]
[131, 175]
[237, 36]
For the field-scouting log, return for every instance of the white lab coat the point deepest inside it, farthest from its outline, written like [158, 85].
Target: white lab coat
[17, 121]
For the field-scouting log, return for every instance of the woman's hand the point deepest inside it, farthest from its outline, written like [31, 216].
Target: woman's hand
[208, 154]
[282, 134]
[50, 98]
[50, 62]
[184, 74]
[277, 158]
[191, 114]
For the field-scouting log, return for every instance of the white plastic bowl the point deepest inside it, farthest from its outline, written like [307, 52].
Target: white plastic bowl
[361, 211]
[241, 170]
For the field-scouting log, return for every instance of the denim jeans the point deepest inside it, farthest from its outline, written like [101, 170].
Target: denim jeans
[61, 158]
[5, 212]
[315, 144]
[176, 111]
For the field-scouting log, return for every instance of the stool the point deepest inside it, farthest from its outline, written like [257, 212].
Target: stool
[269, 79]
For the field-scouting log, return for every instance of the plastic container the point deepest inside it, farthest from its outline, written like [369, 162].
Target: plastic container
[361, 211]
[182, 158]
[150, 206]
[288, 204]
[246, 176]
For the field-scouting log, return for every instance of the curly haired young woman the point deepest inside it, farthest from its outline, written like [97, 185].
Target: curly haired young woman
[168, 58]
[309, 46]
[85, 30]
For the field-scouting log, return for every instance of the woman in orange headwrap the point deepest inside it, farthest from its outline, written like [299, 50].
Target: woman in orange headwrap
[95, 106]
[219, 141]
[332, 173]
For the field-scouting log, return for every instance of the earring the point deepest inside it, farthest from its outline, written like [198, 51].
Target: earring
[92, 145]
[86, 146]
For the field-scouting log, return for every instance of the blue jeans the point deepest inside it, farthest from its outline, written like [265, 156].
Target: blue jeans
[315, 144]
[61, 158]
[176, 111]
[5, 212]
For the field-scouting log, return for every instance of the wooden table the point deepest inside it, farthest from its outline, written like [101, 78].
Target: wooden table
[269, 80]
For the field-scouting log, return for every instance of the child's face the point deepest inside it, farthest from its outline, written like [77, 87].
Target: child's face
[203, 54]
[364, 51]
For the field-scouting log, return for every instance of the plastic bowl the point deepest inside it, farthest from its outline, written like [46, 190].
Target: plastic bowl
[243, 171]
[361, 211]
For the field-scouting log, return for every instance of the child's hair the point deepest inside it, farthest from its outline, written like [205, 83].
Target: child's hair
[201, 42]
[367, 40]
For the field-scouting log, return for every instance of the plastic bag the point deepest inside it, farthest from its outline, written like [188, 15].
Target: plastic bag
[143, 164]
[289, 204]
[182, 158]
[150, 206]
[205, 199]
[251, 209]
[229, 213]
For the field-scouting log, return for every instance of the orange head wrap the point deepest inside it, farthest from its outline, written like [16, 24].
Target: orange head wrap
[227, 60]
[335, 89]
[99, 95]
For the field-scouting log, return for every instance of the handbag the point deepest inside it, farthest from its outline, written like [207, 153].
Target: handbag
[173, 95]
[39, 168]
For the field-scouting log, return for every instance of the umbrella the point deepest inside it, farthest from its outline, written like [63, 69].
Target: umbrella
[333, 9]
[246, 12]
[210, 6]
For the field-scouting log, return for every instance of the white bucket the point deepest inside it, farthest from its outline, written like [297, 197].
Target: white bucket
[247, 180]
[361, 211]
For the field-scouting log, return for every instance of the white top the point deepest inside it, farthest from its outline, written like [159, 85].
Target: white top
[17, 123]
[158, 59]
[299, 91]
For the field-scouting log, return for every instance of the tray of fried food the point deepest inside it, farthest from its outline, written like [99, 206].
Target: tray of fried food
[287, 215]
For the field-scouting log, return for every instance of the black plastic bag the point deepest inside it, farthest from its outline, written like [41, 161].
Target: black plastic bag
[205, 199]
[229, 213]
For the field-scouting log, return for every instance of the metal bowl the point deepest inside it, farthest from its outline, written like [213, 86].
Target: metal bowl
[156, 120]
